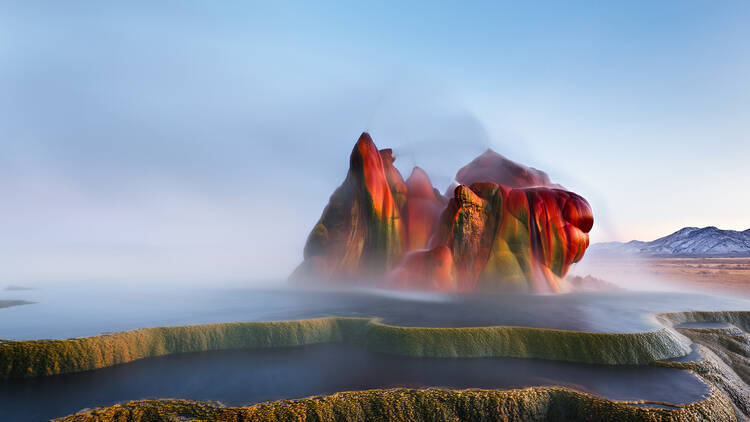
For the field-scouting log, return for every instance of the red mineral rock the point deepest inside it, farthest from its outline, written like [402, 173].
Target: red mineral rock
[507, 228]
[360, 234]
[421, 210]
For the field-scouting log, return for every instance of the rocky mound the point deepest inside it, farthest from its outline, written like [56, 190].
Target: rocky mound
[506, 227]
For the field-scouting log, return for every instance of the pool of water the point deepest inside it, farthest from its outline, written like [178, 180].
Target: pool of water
[706, 325]
[76, 311]
[694, 355]
[240, 377]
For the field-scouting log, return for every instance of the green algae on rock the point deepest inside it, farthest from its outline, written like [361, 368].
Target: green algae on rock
[435, 405]
[528, 342]
[31, 358]
[725, 357]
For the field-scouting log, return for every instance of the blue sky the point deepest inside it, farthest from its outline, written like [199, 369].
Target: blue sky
[202, 139]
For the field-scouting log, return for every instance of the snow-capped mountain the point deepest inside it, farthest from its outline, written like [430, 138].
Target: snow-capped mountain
[687, 242]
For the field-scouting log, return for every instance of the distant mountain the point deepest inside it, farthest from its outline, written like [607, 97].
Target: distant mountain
[687, 242]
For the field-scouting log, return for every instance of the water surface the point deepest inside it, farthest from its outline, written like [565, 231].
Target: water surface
[77, 311]
[240, 377]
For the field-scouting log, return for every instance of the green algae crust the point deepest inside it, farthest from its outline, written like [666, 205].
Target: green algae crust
[31, 358]
[436, 405]
[727, 400]
[527, 342]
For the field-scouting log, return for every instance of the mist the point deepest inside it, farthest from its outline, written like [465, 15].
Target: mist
[173, 242]
[214, 204]
[186, 143]
[187, 167]
[184, 170]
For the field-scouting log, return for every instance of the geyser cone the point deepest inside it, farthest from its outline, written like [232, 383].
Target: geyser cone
[507, 227]
[360, 232]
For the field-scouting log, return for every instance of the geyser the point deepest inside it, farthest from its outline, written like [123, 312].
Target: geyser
[506, 227]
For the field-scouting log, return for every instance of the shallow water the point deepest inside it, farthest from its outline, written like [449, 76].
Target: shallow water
[694, 355]
[705, 325]
[239, 377]
[76, 311]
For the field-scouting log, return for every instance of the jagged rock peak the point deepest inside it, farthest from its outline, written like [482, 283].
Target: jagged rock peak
[504, 226]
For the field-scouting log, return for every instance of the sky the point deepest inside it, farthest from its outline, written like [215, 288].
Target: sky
[178, 140]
